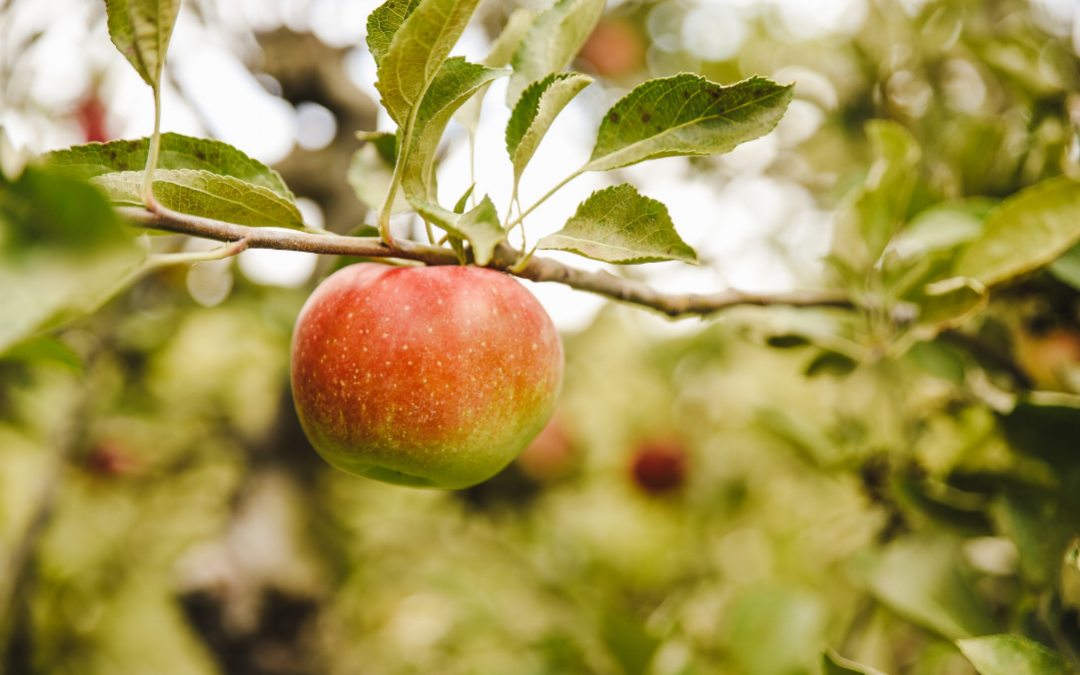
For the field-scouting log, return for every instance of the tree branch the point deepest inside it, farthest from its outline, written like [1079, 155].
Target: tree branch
[537, 269]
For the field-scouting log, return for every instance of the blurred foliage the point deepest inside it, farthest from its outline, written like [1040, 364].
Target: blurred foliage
[727, 498]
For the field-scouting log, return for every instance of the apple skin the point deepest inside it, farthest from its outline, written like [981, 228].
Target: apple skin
[432, 377]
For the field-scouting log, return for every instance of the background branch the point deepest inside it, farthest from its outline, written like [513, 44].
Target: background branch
[538, 269]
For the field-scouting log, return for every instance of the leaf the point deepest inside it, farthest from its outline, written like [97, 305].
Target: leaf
[1046, 426]
[618, 225]
[141, 30]
[1012, 655]
[177, 152]
[1041, 533]
[552, 42]
[371, 171]
[948, 303]
[63, 251]
[534, 113]
[1067, 267]
[919, 579]
[201, 193]
[626, 638]
[1025, 232]
[686, 115]
[417, 52]
[460, 206]
[870, 215]
[456, 82]
[832, 363]
[44, 350]
[468, 115]
[384, 22]
[480, 226]
[834, 664]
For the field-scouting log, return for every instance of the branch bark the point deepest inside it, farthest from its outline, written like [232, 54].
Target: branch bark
[537, 269]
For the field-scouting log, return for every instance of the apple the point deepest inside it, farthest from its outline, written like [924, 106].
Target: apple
[432, 377]
[659, 466]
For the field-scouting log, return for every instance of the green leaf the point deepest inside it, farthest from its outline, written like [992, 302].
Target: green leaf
[417, 52]
[44, 350]
[1025, 232]
[371, 171]
[1067, 267]
[832, 363]
[534, 113]
[552, 42]
[1045, 425]
[948, 303]
[626, 638]
[1041, 533]
[460, 206]
[177, 152]
[919, 579]
[834, 664]
[871, 214]
[686, 115]
[480, 226]
[201, 193]
[141, 30]
[456, 82]
[1012, 655]
[618, 225]
[468, 115]
[63, 251]
[384, 22]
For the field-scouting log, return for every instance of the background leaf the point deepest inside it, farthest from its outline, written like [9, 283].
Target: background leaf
[834, 664]
[918, 578]
[871, 214]
[480, 226]
[177, 152]
[63, 251]
[141, 30]
[417, 52]
[552, 42]
[468, 115]
[456, 82]
[372, 169]
[1012, 655]
[618, 225]
[534, 113]
[948, 303]
[201, 193]
[1025, 232]
[686, 115]
[1067, 267]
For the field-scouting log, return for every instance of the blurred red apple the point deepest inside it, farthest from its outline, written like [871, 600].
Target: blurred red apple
[614, 48]
[424, 376]
[659, 466]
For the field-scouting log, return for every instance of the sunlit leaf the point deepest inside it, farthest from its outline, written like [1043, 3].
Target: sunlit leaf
[63, 251]
[141, 30]
[618, 225]
[417, 52]
[177, 152]
[1027, 231]
[1012, 655]
[686, 115]
[535, 112]
[456, 82]
[480, 226]
[384, 22]
[871, 214]
[834, 664]
[201, 193]
[552, 42]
